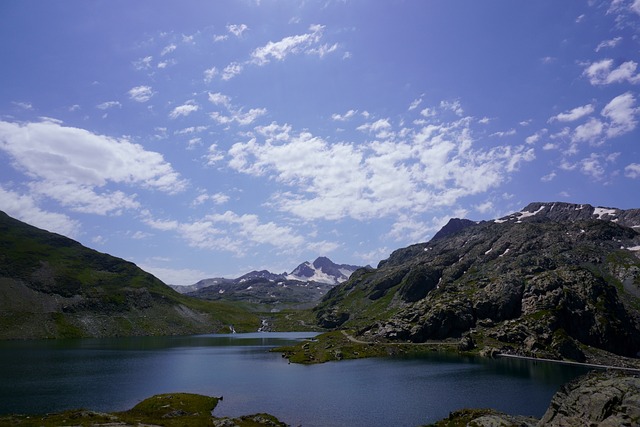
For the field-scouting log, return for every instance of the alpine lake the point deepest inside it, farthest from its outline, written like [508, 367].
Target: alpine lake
[114, 374]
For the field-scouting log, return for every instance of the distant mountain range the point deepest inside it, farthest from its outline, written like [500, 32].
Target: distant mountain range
[303, 287]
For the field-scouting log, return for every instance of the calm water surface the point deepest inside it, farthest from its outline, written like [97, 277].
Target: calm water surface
[116, 373]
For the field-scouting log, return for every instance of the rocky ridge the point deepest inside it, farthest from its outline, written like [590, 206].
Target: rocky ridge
[553, 280]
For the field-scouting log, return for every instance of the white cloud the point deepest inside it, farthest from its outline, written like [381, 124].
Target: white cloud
[574, 114]
[184, 109]
[415, 104]
[231, 232]
[593, 167]
[25, 208]
[502, 134]
[141, 93]
[74, 166]
[632, 170]
[109, 104]
[603, 73]
[344, 117]
[85, 198]
[549, 177]
[214, 155]
[168, 49]
[231, 70]
[590, 131]
[237, 30]
[454, 106]
[291, 45]
[434, 166]
[190, 130]
[143, 63]
[209, 74]
[235, 114]
[217, 198]
[621, 112]
[219, 99]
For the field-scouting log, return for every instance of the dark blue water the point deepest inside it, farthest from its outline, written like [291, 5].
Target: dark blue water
[116, 373]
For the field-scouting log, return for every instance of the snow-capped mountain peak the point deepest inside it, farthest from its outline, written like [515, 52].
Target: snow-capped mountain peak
[322, 270]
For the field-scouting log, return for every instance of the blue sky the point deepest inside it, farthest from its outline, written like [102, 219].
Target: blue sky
[210, 138]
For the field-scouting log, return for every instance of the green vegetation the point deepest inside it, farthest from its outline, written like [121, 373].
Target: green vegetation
[170, 410]
[53, 287]
[340, 345]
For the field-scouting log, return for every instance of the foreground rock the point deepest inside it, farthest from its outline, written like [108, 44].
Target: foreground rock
[175, 409]
[604, 399]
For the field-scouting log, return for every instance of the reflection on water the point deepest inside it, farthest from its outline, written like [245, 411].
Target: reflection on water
[116, 373]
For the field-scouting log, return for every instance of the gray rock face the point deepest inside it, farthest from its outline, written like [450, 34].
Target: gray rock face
[599, 399]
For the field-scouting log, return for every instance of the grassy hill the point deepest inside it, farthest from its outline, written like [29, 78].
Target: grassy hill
[52, 287]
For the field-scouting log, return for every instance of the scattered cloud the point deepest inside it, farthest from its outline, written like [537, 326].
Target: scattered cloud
[143, 63]
[184, 109]
[632, 170]
[168, 49]
[603, 73]
[607, 44]
[109, 104]
[621, 112]
[435, 165]
[289, 45]
[237, 30]
[234, 114]
[232, 70]
[574, 114]
[344, 117]
[141, 93]
[231, 232]
[210, 74]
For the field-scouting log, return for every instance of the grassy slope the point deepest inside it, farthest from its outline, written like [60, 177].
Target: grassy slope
[52, 286]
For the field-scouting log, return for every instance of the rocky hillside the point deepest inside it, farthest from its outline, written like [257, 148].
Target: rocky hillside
[52, 286]
[554, 280]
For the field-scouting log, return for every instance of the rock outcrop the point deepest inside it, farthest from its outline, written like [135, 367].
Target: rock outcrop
[602, 399]
[598, 399]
